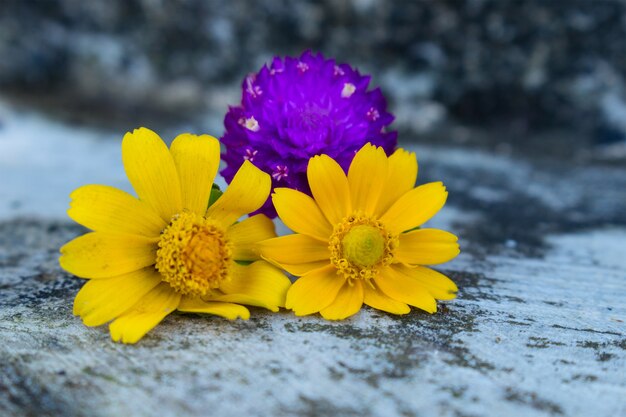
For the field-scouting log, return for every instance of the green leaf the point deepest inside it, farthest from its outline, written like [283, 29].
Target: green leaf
[215, 194]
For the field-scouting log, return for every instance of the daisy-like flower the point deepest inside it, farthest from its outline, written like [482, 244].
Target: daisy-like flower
[296, 108]
[356, 240]
[169, 250]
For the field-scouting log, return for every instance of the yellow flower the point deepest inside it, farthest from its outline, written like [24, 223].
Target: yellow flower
[355, 241]
[165, 251]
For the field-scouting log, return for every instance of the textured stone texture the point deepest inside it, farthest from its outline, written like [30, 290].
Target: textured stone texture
[538, 328]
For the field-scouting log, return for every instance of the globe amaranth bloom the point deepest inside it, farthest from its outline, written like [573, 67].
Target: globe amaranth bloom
[170, 249]
[296, 108]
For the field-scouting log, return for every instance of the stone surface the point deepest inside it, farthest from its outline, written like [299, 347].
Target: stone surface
[538, 329]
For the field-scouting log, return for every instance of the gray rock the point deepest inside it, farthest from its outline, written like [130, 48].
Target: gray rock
[538, 328]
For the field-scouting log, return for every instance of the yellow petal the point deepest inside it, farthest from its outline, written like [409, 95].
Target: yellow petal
[329, 187]
[241, 299]
[247, 192]
[151, 170]
[294, 249]
[415, 207]
[348, 302]
[401, 177]
[402, 288]
[367, 176]
[375, 298]
[258, 284]
[301, 269]
[106, 209]
[314, 291]
[145, 315]
[427, 247]
[102, 300]
[301, 213]
[226, 310]
[106, 255]
[440, 286]
[197, 159]
[246, 234]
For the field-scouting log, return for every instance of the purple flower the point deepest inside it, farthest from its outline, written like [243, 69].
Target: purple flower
[297, 108]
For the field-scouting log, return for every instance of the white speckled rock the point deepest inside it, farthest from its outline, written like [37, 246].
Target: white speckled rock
[538, 328]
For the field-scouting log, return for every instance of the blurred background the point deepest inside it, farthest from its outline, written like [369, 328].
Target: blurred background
[552, 72]
[536, 79]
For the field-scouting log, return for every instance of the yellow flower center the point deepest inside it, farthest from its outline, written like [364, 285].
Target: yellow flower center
[360, 246]
[194, 255]
[363, 245]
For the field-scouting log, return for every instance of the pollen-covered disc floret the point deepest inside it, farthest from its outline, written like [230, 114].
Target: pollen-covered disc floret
[360, 246]
[194, 255]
